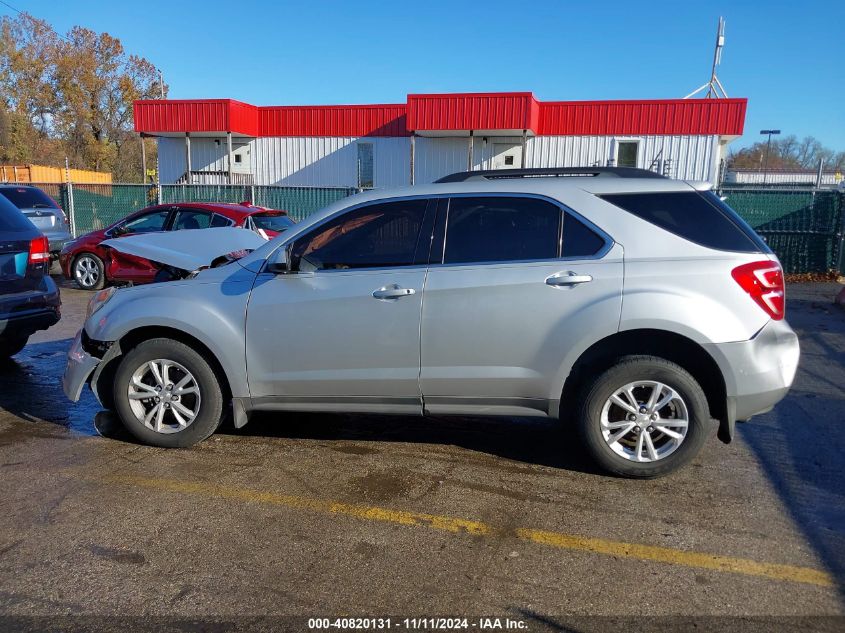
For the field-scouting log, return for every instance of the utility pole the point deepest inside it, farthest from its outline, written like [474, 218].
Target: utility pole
[768, 149]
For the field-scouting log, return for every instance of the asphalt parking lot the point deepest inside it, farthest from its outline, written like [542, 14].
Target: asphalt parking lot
[317, 515]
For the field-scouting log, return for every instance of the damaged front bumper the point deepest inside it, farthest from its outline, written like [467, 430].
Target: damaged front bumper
[80, 366]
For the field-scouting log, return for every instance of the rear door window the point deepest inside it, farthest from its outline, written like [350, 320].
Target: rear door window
[28, 198]
[501, 229]
[699, 217]
[191, 219]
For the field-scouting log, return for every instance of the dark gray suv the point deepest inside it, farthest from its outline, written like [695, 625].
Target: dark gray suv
[29, 298]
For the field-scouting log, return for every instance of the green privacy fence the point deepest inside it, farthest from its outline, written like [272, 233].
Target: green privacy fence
[92, 207]
[804, 227]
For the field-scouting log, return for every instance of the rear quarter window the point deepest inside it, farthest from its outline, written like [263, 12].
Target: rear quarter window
[700, 217]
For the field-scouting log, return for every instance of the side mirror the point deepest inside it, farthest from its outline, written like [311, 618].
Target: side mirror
[278, 264]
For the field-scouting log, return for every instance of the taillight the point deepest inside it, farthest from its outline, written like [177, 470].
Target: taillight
[763, 280]
[39, 250]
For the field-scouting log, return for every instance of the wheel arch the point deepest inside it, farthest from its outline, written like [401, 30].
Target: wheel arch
[75, 257]
[132, 338]
[668, 345]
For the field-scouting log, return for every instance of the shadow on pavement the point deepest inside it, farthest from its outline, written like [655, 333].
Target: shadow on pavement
[531, 440]
[801, 444]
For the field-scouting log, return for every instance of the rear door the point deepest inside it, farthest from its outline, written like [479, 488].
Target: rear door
[518, 283]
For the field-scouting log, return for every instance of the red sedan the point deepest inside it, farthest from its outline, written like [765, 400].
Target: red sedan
[92, 265]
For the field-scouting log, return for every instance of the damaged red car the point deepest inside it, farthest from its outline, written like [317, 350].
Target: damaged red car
[91, 265]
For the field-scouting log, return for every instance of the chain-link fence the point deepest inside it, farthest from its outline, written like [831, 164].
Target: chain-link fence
[803, 226]
[92, 207]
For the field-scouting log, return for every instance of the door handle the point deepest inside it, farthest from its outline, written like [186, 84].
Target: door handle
[393, 291]
[569, 278]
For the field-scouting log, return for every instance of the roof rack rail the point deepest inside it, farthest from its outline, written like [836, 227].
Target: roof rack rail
[550, 172]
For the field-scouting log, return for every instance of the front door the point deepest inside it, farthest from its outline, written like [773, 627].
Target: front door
[507, 156]
[519, 283]
[342, 329]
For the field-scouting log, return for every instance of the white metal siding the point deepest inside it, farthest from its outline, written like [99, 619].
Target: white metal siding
[331, 161]
[323, 161]
[691, 156]
[207, 154]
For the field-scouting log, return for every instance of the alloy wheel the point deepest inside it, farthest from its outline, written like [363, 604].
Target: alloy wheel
[86, 272]
[644, 421]
[164, 396]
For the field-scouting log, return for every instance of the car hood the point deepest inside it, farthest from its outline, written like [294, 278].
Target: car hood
[188, 249]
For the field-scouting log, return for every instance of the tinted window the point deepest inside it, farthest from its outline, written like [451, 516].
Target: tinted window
[699, 217]
[188, 219]
[372, 236]
[272, 222]
[578, 239]
[499, 229]
[13, 220]
[220, 220]
[28, 198]
[148, 223]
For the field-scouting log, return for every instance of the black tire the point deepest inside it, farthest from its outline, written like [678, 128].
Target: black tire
[631, 369]
[210, 412]
[100, 269]
[11, 345]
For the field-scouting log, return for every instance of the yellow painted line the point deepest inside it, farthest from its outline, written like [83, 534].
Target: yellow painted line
[700, 560]
[619, 549]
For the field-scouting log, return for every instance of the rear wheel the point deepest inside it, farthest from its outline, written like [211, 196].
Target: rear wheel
[88, 271]
[11, 345]
[644, 417]
[167, 394]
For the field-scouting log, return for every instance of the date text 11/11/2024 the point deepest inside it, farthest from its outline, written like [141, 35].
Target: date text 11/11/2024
[417, 624]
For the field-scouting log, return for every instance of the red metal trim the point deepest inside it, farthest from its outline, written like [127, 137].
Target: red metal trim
[432, 112]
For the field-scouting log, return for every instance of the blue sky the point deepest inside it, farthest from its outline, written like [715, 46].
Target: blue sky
[788, 58]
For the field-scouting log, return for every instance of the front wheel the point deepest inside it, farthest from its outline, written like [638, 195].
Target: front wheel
[167, 394]
[88, 272]
[644, 417]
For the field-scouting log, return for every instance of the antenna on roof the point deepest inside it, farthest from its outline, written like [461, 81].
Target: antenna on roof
[714, 87]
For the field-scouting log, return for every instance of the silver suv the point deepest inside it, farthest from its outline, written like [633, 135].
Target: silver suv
[642, 310]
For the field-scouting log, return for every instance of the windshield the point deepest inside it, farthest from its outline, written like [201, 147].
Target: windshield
[28, 198]
[277, 222]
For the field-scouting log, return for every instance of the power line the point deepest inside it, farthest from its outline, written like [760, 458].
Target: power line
[19, 12]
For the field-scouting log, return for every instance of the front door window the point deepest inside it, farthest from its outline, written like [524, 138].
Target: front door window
[376, 236]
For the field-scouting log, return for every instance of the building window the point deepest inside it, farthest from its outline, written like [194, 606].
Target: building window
[238, 158]
[365, 165]
[626, 153]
